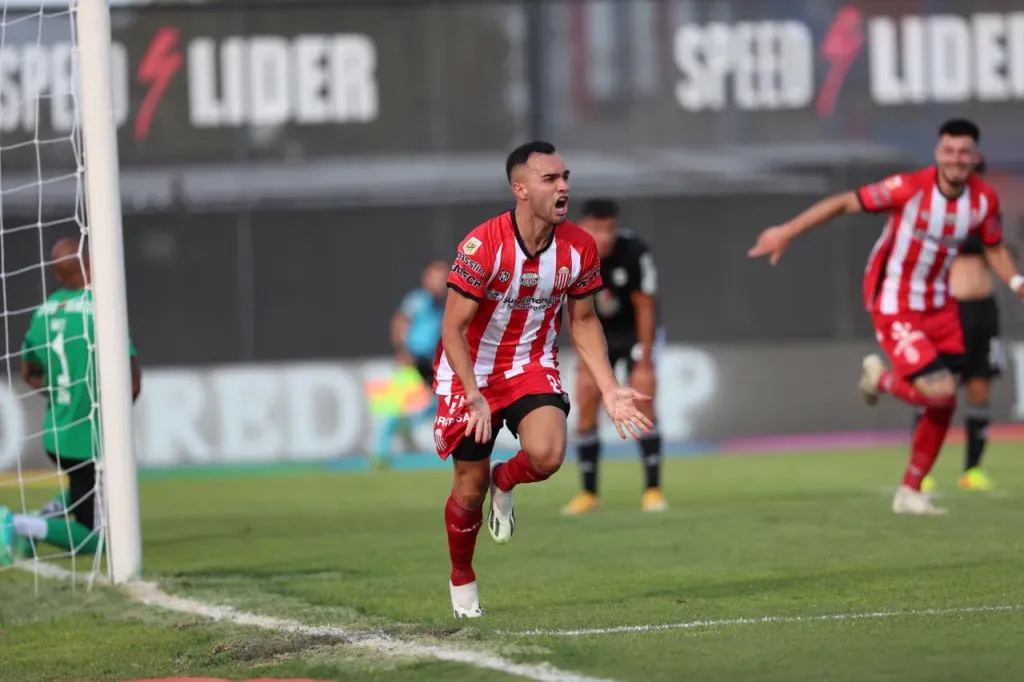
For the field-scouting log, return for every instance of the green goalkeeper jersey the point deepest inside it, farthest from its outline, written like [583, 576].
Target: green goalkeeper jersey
[60, 339]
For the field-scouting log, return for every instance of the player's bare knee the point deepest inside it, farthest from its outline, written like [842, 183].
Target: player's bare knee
[547, 457]
[546, 452]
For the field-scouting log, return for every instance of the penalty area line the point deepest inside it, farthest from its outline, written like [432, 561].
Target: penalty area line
[150, 594]
[766, 620]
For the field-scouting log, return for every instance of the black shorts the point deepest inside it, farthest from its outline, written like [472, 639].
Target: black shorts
[468, 450]
[425, 366]
[984, 356]
[82, 478]
[622, 348]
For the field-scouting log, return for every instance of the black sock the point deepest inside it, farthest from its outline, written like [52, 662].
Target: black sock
[977, 435]
[589, 452]
[650, 450]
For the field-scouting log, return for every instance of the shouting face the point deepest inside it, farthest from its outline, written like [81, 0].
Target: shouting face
[543, 183]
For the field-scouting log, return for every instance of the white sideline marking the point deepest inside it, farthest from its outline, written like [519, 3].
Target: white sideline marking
[695, 624]
[151, 595]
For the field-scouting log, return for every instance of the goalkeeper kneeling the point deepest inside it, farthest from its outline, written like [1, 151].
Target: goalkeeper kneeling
[58, 362]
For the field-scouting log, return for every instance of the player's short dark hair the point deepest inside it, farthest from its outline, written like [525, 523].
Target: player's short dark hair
[521, 154]
[600, 209]
[960, 127]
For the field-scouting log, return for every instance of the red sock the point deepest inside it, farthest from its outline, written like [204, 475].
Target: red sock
[900, 388]
[517, 470]
[463, 524]
[927, 442]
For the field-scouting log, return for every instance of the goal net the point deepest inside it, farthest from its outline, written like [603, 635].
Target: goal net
[54, 448]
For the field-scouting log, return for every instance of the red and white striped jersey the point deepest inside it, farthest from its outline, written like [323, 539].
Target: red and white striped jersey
[520, 296]
[908, 269]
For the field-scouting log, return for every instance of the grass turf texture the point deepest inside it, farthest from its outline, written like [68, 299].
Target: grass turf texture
[794, 535]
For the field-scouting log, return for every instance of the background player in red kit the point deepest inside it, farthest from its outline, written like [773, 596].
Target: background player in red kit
[497, 361]
[906, 285]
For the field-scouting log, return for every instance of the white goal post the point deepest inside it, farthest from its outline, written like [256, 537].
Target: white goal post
[103, 214]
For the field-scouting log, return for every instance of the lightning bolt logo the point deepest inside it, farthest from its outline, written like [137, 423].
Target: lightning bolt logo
[843, 43]
[162, 61]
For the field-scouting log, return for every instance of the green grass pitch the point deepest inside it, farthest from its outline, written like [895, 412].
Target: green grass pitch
[781, 537]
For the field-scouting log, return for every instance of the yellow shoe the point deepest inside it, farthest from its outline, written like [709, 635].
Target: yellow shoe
[928, 484]
[654, 500]
[976, 479]
[583, 503]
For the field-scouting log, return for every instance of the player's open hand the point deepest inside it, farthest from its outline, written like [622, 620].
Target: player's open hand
[479, 424]
[621, 407]
[772, 242]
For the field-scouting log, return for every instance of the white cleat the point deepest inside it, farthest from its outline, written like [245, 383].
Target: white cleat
[910, 501]
[465, 601]
[501, 520]
[871, 370]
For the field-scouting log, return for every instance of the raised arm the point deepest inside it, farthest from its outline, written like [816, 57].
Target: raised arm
[879, 197]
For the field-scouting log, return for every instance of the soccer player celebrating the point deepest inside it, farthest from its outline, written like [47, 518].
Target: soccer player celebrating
[497, 361]
[628, 313]
[970, 281]
[57, 358]
[932, 211]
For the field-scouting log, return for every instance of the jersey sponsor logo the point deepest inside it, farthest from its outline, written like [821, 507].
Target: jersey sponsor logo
[525, 303]
[949, 242]
[471, 246]
[445, 422]
[893, 182]
[470, 263]
[562, 278]
[529, 279]
[587, 278]
[473, 281]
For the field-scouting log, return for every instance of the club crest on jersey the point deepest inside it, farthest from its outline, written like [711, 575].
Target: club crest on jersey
[529, 279]
[504, 276]
[620, 276]
[562, 278]
[471, 246]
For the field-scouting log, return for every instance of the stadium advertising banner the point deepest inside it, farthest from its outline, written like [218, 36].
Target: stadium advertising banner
[257, 414]
[203, 84]
[709, 73]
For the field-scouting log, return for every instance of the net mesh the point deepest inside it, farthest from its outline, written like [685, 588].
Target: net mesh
[42, 176]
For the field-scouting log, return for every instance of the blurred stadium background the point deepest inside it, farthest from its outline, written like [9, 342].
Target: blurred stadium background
[289, 167]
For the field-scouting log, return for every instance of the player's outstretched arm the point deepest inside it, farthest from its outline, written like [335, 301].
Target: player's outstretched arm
[459, 310]
[588, 336]
[773, 241]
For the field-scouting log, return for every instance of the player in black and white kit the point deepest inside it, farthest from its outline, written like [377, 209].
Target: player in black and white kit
[628, 310]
